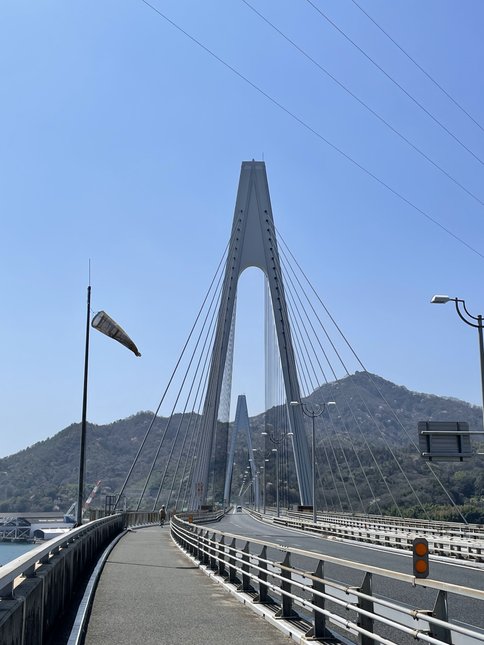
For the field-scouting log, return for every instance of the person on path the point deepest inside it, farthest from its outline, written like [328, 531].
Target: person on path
[162, 515]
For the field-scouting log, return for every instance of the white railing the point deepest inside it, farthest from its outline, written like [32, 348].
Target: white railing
[443, 541]
[278, 577]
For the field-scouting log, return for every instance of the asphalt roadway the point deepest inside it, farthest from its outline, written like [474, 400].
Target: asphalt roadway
[463, 610]
[150, 593]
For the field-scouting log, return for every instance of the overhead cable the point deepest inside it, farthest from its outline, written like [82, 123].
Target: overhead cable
[429, 76]
[314, 131]
[396, 83]
[366, 106]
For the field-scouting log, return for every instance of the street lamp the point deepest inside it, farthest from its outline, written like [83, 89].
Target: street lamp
[313, 411]
[277, 480]
[468, 318]
[275, 441]
[264, 486]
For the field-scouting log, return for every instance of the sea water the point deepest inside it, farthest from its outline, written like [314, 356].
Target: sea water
[10, 551]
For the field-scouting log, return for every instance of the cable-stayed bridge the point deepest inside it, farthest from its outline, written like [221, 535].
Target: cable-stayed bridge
[339, 568]
[330, 428]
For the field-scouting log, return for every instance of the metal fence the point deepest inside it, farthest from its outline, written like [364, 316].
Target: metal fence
[313, 593]
[449, 540]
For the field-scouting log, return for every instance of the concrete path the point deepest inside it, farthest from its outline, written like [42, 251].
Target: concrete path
[150, 593]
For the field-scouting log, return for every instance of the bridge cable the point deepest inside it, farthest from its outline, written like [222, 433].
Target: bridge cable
[316, 133]
[289, 284]
[378, 116]
[303, 370]
[331, 367]
[204, 354]
[437, 478]
[412, 98]
[288, 281]
[197, 439]
[187, 370]
[375, 422]
[371, 416]
[351, 443]
[211, 325]
[313, 385]
[171, 377]
[429, 76]
[199, 398]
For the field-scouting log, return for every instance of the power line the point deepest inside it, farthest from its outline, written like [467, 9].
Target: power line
[412, 98]
[429, 76]
[312, 130]
[365, 105]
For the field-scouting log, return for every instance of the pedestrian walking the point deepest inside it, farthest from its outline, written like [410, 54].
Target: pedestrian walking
[162, 515]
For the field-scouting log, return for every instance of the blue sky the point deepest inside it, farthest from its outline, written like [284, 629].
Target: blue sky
[121, 141]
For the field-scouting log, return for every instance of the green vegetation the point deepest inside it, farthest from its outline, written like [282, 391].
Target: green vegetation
[366, 458]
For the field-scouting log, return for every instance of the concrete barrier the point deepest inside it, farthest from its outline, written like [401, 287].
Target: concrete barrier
[37, 588]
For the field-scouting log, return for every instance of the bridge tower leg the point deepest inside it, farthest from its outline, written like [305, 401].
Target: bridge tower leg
[253, 243]
[241, 425]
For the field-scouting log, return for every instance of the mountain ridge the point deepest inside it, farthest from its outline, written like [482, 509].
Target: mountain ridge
[43, 477]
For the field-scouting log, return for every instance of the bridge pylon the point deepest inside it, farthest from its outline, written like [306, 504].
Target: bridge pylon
[253, 243]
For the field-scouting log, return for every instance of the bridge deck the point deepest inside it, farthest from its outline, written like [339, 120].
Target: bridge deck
[150, 593]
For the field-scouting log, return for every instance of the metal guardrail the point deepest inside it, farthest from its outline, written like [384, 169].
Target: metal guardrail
[468, 546]
[298, 595]
[131, 518]
[202, 517]
[404, 523]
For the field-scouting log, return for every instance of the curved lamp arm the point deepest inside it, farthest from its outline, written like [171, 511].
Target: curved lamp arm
[457, 308]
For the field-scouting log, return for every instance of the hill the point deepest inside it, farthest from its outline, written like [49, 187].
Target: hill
[366, 456]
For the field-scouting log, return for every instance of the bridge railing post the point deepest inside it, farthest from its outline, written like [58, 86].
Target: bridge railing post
[199, 546]
[286, 610]
[231, 561]
[221, 557]
[441, 611]
[263, 595]
[364, 621]
[245, 585]
[192, 542]
[213, 548]
[319, 629]
[205, 548]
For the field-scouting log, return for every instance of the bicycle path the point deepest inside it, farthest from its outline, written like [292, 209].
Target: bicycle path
[150, 593]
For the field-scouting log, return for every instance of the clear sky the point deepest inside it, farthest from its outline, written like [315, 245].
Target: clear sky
[122, 139]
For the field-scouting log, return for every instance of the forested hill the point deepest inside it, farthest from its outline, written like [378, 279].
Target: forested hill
[374, 416]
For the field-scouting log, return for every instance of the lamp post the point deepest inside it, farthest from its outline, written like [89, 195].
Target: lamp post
[82, 443]
[277, 480]
[276, 442]
[313, 411]
[472, 321]
[264, 485]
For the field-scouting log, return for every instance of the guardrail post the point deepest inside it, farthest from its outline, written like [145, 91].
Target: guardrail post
[6, 592]
[199, 546]
[263, 595]
[221, 558]
[204, 541]
[441, 611]
[245, 585]
[365, 621]
[319, 630]
[286, 610]
[213, 552]
[192, 548]
[231, 561]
